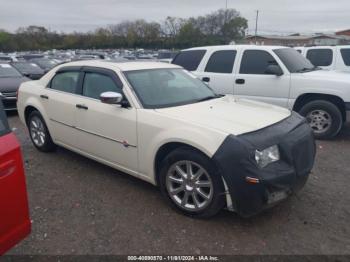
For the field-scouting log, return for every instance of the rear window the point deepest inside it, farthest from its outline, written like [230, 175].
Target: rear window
[345, 53]
[320, 57]
[189, 60]
[221, 62]
[4, 128]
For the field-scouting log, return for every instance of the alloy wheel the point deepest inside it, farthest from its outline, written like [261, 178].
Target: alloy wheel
[37, 131]
[189, 185]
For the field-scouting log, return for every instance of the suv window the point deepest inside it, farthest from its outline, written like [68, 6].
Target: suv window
[65, 81]
[345, 53]
[320, 57]
[256, 62]
[189, 60]
[221, 61]
[95, 84]
[4, 128]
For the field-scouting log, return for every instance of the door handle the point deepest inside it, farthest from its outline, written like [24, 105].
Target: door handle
[81, 106]
[44, 96]
[240, 81]
[206, 79]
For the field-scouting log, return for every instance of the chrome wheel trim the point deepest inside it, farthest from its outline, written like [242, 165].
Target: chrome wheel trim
[189, 185]
[319, 120]
[37, 131]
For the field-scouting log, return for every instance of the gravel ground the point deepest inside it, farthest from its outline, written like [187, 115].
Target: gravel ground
[79, 206]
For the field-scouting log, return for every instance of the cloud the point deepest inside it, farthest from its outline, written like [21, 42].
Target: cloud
[282, 16]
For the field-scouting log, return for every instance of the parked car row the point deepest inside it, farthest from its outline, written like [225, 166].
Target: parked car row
[275, 75]
[191, 128]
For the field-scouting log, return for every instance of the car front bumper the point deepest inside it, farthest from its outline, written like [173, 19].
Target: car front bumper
[236, 162]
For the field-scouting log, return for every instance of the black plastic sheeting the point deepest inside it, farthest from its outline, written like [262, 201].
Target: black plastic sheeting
[235, 159]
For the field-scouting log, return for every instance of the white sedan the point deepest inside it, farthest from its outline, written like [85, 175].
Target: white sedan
[158, 122]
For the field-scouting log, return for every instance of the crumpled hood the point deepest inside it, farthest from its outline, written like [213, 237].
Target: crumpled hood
[228, 114]
[11, 84]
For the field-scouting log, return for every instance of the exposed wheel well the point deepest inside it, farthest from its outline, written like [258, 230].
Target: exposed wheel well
[305, 98]
[27, 112]
[163, 151]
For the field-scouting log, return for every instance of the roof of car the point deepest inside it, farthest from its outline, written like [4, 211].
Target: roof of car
[121, 66]
[229, 47]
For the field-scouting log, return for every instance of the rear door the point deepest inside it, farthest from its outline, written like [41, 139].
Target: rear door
[253, 82]
[218, 72]
[14, 215]
[59, 100]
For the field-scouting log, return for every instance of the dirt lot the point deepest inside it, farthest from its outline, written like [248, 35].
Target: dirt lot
[81, 207]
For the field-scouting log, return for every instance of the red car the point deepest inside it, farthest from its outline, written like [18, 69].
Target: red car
[14, 214]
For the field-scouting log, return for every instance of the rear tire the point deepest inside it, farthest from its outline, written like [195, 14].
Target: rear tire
[200, 194]
[39, 133]
[324, 117]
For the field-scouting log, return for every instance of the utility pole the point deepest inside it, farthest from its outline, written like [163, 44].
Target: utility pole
[256, 25]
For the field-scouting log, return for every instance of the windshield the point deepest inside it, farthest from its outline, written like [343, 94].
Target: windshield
[8, 71]
[294, 61]
[27, 67]
[159, 88]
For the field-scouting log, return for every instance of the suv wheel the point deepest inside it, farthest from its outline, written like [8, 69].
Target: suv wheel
[324, 118]
[189, 181]
[39, 134]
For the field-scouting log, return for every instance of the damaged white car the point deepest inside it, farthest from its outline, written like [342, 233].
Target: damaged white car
[161, 124]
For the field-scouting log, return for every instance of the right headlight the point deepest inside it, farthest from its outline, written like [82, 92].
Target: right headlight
[267, 156]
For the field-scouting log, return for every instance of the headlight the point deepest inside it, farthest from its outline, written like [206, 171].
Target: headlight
[267, 156]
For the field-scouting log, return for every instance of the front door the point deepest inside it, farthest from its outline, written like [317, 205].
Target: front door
[218, 71]
[107, 131]
[253, 82]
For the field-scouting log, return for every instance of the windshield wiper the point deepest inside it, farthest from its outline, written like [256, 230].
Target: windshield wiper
[209, 98]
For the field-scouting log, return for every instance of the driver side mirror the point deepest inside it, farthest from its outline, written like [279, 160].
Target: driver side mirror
[274, 70]
[111, 98]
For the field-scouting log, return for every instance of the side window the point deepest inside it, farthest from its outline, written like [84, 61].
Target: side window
[65, 81]
[221, 61]
[256, 62]
[320, 57]
[345, 53]
[189, 60]
[95, 84]
[4, 128]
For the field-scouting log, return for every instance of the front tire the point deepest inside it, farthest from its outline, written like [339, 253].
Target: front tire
[190, 183]
[324, 118]
[38, 132]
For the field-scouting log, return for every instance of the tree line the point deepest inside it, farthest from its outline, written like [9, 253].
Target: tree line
[219, 27]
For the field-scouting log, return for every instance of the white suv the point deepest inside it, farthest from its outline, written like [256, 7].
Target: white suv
[328, 57]
[158, 122]
[275, 75]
